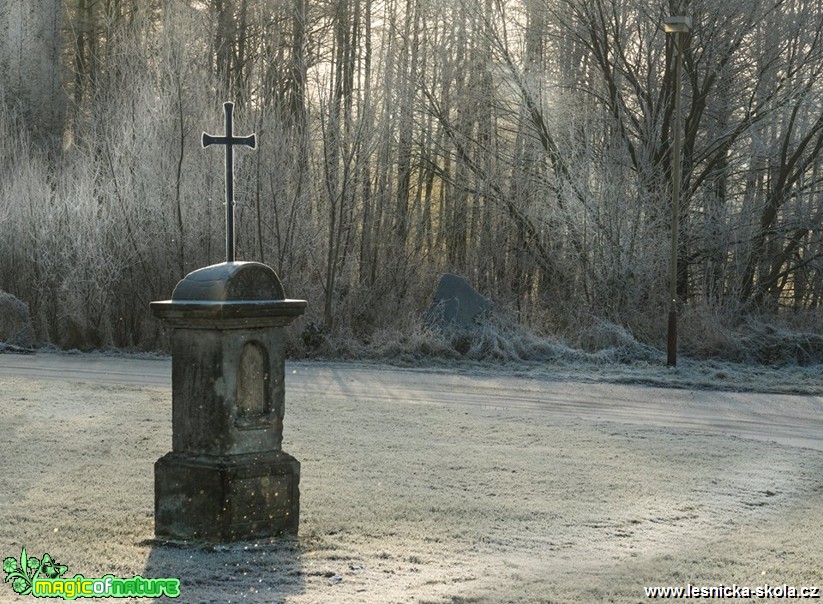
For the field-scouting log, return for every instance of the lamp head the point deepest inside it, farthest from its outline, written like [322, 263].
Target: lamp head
[677, 24]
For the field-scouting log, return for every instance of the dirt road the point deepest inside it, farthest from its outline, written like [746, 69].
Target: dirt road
[787, 419]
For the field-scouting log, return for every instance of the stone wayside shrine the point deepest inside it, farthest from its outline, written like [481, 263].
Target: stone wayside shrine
[227, 477]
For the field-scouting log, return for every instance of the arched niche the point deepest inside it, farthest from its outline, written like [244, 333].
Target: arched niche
[253, 391]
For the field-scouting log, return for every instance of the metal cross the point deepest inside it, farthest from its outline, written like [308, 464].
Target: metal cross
[229, 140]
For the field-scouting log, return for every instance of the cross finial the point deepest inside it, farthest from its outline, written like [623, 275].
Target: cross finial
[229, 140]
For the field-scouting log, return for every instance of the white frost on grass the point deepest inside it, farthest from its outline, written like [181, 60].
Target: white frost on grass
[426, 486]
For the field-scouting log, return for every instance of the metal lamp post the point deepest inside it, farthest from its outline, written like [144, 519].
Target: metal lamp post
[679, 26]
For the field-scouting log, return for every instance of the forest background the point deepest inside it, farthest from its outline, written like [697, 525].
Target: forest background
[523, 144]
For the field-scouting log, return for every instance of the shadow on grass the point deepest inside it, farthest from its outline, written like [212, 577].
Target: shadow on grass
[268, 570]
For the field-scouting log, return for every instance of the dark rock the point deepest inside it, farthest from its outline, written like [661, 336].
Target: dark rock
[456, 303]
[15, 323]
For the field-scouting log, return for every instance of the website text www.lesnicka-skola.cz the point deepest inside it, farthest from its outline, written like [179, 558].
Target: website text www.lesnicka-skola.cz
[734, 591]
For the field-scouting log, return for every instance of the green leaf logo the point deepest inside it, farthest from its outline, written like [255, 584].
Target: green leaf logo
[22, 574]
[51, 568]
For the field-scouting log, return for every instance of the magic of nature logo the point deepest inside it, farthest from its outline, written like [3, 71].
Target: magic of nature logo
[43, 578]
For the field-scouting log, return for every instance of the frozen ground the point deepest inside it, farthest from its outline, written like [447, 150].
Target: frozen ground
[529, 484]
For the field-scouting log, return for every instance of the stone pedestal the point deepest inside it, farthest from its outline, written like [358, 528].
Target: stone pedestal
[227, 478]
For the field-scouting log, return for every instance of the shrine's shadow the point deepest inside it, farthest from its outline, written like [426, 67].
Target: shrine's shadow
[268, 570]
